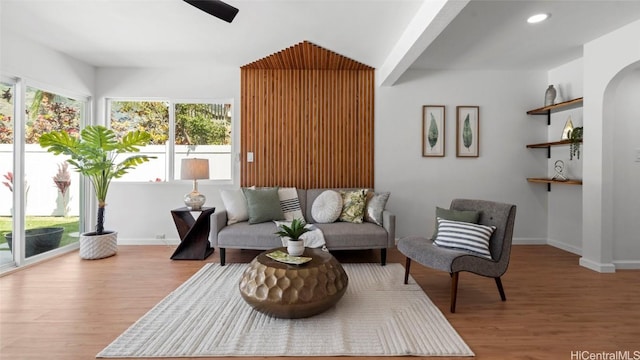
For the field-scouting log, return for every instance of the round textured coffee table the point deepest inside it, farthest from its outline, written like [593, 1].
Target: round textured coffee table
[293, 291]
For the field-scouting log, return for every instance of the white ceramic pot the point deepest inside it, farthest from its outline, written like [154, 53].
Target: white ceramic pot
[94, 246]
[295, 248]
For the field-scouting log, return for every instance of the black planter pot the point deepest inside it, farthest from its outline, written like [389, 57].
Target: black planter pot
[39, 240]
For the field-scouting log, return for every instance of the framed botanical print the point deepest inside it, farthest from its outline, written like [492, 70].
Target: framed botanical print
[467, 131]
[433, 126]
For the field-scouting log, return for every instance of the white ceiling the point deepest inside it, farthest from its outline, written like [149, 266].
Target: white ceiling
[485, 35]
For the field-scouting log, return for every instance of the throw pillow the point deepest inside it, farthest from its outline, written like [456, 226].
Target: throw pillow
[326, 208]
[469, 216]
[290, 204]
[375, 206]
[263, 205]
[353, 203]
[465, 236]
[236, 205]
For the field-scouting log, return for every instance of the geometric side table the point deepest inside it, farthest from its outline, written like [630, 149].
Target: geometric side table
[194, 233]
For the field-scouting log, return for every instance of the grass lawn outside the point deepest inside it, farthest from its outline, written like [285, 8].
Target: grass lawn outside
[70, 225]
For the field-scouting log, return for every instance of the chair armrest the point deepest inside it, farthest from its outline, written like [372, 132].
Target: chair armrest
[218, 221]
[389, 224]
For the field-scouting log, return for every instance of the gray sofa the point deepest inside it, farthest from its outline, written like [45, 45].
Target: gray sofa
[338, 235]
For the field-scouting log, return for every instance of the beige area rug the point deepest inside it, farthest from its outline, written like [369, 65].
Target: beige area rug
[377, 316]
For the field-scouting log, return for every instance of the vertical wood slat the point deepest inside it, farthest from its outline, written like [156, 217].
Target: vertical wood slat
[308, 124]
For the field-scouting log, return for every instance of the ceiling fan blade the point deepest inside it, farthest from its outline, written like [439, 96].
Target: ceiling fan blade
[216, 8]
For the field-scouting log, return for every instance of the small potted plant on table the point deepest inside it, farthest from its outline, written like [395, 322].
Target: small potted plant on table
[295, 245]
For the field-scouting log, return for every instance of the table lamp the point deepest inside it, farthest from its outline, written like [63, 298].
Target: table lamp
[194, 169]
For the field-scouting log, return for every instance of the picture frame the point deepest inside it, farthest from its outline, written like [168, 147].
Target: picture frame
[433, 130]
[467, 131]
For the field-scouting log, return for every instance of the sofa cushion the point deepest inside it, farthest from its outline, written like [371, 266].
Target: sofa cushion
[327, 207]
[249, 236]
[236, 205]
[469, 216]
[263, 205]
[353, 205]
[344, 235]
[376, 203]
[290, 204]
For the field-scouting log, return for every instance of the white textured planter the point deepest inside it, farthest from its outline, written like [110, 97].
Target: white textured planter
[295, 248]
[94, 246]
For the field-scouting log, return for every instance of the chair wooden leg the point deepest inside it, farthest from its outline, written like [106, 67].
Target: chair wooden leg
[454, 290]
[383, 257]
[407, 266]
[500, 289]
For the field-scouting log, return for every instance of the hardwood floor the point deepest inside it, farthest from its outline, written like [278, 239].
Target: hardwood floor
[68, 308]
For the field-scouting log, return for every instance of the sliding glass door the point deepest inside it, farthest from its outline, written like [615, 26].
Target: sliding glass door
[7, 116]
[40, 196]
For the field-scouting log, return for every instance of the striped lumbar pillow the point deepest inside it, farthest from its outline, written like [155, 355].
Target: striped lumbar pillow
[464, 236]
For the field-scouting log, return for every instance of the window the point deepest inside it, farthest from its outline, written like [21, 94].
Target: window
[178, 130]
[204, 131]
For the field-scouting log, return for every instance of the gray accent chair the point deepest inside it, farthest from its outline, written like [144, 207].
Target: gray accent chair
[424, 252]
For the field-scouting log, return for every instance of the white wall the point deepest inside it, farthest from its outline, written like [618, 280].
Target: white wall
[565, 201]
[626, 171]
[604, 59]
[141, 211]
[418, 184]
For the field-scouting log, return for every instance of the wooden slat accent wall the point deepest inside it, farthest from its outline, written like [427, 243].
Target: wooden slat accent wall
[307, 128]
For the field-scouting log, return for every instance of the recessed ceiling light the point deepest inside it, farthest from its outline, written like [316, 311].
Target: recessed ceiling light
[534, 19]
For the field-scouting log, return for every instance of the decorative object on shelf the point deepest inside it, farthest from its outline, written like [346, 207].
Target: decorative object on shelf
[568, 127]
[550, 96]
[433, 124]
[194, 169]
[576, 138]
[467, 131]
[295, 245]
[94, 155]
[558, 166]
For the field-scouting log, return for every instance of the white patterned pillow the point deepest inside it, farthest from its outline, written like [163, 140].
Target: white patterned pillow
[290, 204]
[327, 207]
[465, 236]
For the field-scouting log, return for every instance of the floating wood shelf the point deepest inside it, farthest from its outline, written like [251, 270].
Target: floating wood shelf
[546, 110]
[548, 145]
[549, 181]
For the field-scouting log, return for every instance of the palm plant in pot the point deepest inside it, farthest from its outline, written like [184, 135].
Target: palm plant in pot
[295, 245]
[94, 155]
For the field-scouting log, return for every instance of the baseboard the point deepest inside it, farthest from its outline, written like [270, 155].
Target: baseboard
[148, 241]
[627, 264]
[566, 247]
[529, 241]
[595, 266]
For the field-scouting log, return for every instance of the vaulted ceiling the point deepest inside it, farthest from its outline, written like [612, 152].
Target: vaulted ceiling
[392, 34]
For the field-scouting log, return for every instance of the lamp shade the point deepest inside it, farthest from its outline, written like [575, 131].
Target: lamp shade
[193, 169]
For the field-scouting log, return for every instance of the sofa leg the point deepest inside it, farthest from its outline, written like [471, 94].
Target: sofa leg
[222, 256]
[383, 257]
